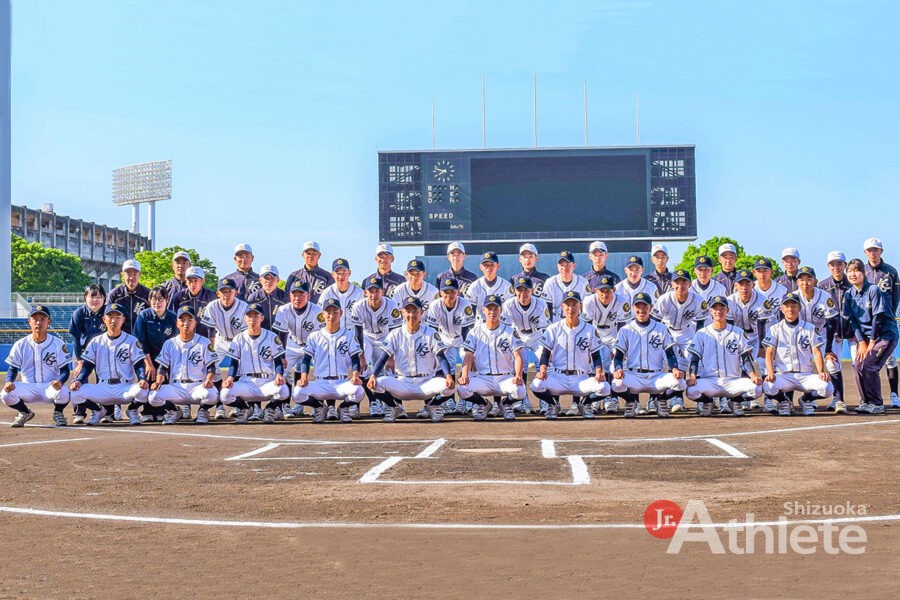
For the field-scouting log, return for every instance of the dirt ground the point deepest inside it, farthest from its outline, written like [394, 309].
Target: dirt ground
[412, 510]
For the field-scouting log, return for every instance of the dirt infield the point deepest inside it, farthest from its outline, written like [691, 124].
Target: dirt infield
[416, 509]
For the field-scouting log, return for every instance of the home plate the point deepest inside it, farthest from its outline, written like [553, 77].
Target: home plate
[487, 450]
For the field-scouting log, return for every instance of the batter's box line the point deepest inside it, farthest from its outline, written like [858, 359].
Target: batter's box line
[548, 450]
[255, 454]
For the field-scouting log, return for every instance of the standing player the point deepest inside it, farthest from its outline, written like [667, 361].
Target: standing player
[790, 261]
[130, 294]
[194, 295]
[42, 360]
[608, 312]
[416, 285]
[571, 349]
[598, 254]
[384, 259]
[246, 280]
[771, 291]
[661, 276]
[557, 287]
[456, 254]
[747, 310]
[727, 260]
[269, 296]
[644, 353]
[223, 319]
[453, 318]
[86, 324]
[488, 284]
[836, 287]
[493, 364]
[181, 262]
[294, 323]
[153, 327]
[529, 316]
[885, 277]
[343, 290]
[528, 257]
[704, 285]
[634, 283]
[315, 276]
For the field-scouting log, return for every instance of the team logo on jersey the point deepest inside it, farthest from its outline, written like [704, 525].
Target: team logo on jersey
[829, 303]
[703, 305]
[767, 305]
[167, 331]
[318, 286]
[655, 341]
[235, 322]
[547, 312]
[395, 313]
[689, 314]
[211, 347]
[277, 340]
[535, 319]
[195, 357]
[65, 348]
[49, 359]
[123, 354]
[343, 347]
[422, 349]
[382, 321]
[321, 317]
[731, 346]
[582, 343]
[503, 344]
[818, 312]
[308, 326]
[803, 342]
[885, 284]
[265, 353]
[469, 312]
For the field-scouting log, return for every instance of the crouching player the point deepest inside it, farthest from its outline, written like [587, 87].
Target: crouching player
[187, 368]
[718, 354]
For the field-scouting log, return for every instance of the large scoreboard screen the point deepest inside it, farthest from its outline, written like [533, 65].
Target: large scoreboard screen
[548, 194]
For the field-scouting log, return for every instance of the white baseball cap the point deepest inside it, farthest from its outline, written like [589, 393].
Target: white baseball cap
[243, 247]
[195, 272]
[456, 246]
[268, 270]
[385, 248]
[873, 243]
[528, 248]
[659, 248]
[790, 252]
[310, 245]
[836, 255]
[727, 248]
[601, 246]
[181, 254]
[131, 264]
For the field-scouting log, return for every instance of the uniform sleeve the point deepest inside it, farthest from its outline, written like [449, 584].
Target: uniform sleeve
[390, 344]
[137, 354]
[516, 343]
[210, 356]
[207, 318]
[702, 311]
[437, 345]
[771, 338]
[431, 316]
[656, 312]
[355, 348]
[818, 340]
[90, 351]
[468, 316]
[470, 343]
[696, 345]
[831, 309]
[277, 347]
[395, 319]
[547, 340]
[622, 341]
[15, 355]
[234, 349]
[668, 340]
[165, 355]
[279, 322]
[355, 318]
[65, 354]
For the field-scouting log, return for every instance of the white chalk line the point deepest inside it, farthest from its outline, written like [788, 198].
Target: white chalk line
[731, 450]
[381, 525]
[260, 450]
[430, 450]
[372, 475]
[44, 442]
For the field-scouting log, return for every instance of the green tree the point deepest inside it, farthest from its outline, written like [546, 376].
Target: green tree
[39, 269]
[156, 266]
[710, 248]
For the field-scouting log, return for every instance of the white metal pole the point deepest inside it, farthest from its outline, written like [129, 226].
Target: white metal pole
[483, 116]
[637, 116]
[5, 167]
[534, 86]
[151, 212]
[136, 218]
[585, 115]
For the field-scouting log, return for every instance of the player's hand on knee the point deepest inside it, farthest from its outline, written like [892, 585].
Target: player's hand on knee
[208, 382]
[279, 379]
[517, 380]
[449, 382]
[599, 376]
[143, 384]
[692, 379]
[832, 357]
[770, 377]
[619, 374]
[756, 379]
[304, 380]
[464, 378]
[542, 373]
[56, 384]
[10, 386]
[75, 385]
[678, 373]
[228, 383]
[824, 376]
[355, 379]
[372, 382]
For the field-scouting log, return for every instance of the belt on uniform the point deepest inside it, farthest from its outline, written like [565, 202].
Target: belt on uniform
[571, 372]
[526, 331]
[641, 371]
[496, 374]
[421, 375]
[332, 377]
[113, 381]
[257, 375]
[187, 381]
[749, 331]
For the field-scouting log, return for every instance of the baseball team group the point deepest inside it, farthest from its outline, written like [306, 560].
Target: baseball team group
[463, 344]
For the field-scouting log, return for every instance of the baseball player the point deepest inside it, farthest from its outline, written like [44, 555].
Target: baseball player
[181, 262]
[790, 262]
[747, 311]
[488, 284]
[818, 308]
[727, 260]
[644, 352]
[885, 277]
[187, 367]
[87, 323]
[557, 287]
[528, 257]
[130, 294]
[571, 349]
[223, 319]
[608, 312]
[384, 259]
[719, 358]
[416, 285]
[634, 283]
[152, 328]
[492, 363]
[529, 316]
[771, 291]
[836, 286]
[683, 311]
[335, 352]
[343, 290]
[456, 254]
[119, 361]
[256, 372]
[294, 323]
[194, 295]
[794, 360]
[315, 276]
[42, 360]
[661, 275]
[704, 285]
[598, 254]
[452, 317]
[418, 355]
[269, 295]
[373, 320]
[871, 318]
[246, 280]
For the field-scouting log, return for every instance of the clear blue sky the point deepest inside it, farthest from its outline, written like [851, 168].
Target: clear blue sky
[273, 112]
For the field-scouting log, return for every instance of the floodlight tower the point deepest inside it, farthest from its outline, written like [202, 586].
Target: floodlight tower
[143, 183]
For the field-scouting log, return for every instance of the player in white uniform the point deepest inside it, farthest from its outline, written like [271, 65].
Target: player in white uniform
[719, 357]
[343, 290]
[608, 311]
[187, 370]
[645, 351]
[633, 283]
[43, 361]
[453, 317]
[224, 320]
[294, 322]
[373, 320]
[794, 360]
[335, 353]
[118, 360]
[493, 363]
[771, 291]
[418, 355]
[256, 372]
[683, 311]
[489, 284]
[416, 285]
[746, 310]
[556, 288]
[704, 285]
[572, 353]
[529, 316]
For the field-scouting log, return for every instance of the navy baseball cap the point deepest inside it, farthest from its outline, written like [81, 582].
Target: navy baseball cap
[331, 302]
[524, 282]
[187, 309]
[374, 282]
[565, 256]
[412, 301]
[571, 295]
[493, 300]
[807, 271]
[718, 300]
[449, 283]
[604, 283]
[791, 297]
[681, 274]
[227, 283]
[642, 297]
[634, 260]
[300, 286]
[114, 308]
[39, 309]
[744, 275]
[415, 265]
[762, 263]
[490, 257]
[703, 261]
[340, 263]
[254, 308]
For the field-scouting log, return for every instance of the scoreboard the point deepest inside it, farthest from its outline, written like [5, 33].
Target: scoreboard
[560, 194]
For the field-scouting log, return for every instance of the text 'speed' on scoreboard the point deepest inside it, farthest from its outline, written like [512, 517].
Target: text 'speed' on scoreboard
[641, 192]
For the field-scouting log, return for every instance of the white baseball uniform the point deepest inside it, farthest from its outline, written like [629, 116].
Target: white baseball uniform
[38, 365]
[377, 323]
[646, 365]
[255, 377]
[187, 363]
[415, 364]
[493, 372]
[680, 318]
[795, 368]
[114, 360]
[298, 325]
[607, 319]
[332, 354]
[481, 289]
[449, 323]
[555, 288]
[719, 373]
[571, 367]
[627, 289]
[347, 299]
[224, 324]
[427, 294]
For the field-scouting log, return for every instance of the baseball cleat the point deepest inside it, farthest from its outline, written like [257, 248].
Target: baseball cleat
[808, 408]
[331, 414]
[769, 406]
[479, 412]
[508, 413]
[268, 415]
[423, 413]
[870, 409]
[736, 408]
[840, 407]
[320, 414]
[552, 411]
[496, 410]
[611, 407]
[676, 408]
[97, 416]
[172, 417]
[134, 417]
[117, 413]
[705, 409]
[895, 400]
[202, 416]
[346, 415]
[630, 411]
[587, 411]
[256, 413]
[219, 413]
[784, 408]
[437, 413]
[186, 411]
[59, 419]
[390, 414]
[78, 420]
[22, 418]
[243, 415]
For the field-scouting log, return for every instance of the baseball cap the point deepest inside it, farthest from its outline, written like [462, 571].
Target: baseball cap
[187, 309]
[374, 282]
[449, 283]
[681, 274]
[762, 263]
[634, 260]
[310, 245]
[791, 297]
[490, 257]
[873, 242]
[243, 247]
[727, 248]
[415, 265]
[571, 295]
[528, 248]
[114, 308]
[642, 297]
[566, 256]
[718, 300]
[604, 283]
[598, 245]
[493, 300]
[790, 252]
[195, 272]
[744, 275]
[659, 248]
[39, 309]
[412, 301]
[253, 308]
[131, 264]
[268, 270]
[456, 246]
[300, 286]
[331, 302]
[836, 255]
[385, 249]
[524, 282]
[703, 261]
[339, 263]
[807, 271]
[181, 254]
[227, 283]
